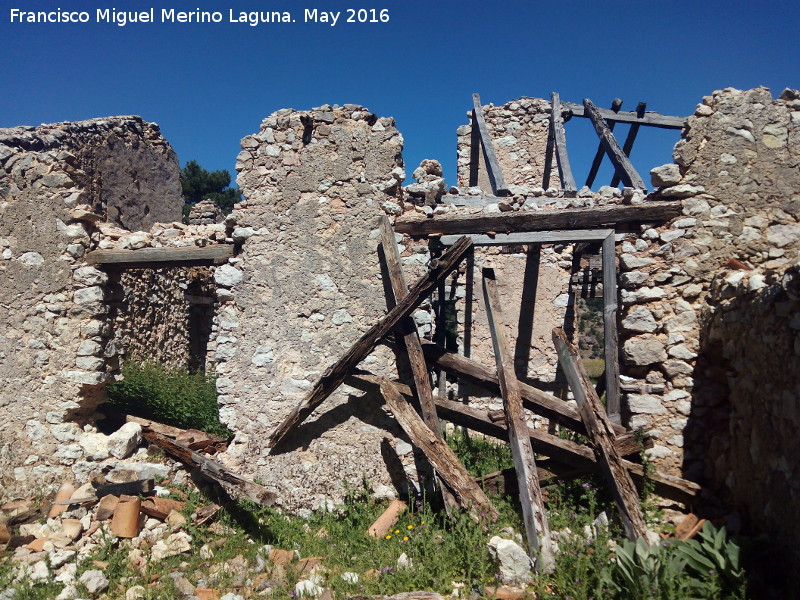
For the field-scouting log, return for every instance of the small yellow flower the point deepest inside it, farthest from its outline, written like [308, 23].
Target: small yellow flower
[397, 531]
[410, 527]
[423, 523]
[388, 537]
[405, 539]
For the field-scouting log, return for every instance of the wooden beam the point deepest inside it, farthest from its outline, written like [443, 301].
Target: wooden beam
[627, 146]
[159, 257]
[548, 158]
[601, 435]
[212, 469]
[535, 400]
[560, 137]
[409, 334]
[459, 482]
[333, 377]
[598, 157]
[496, 178]
[610, 337]
[621, 163]
[530, 495]
[533, 237]
[651, 119]
[574, 456]
[541, 220]
[464, 200]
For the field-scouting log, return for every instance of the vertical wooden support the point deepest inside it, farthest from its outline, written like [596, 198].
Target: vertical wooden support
[598, 157]
[621, 162]
[530, 495]
[601, 435]
[610, 328]
[560, 138]
[548, 156]
[627, 147]
[496, 178]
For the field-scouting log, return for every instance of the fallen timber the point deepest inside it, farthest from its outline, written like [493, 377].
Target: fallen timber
[574, 457]
[540, 220]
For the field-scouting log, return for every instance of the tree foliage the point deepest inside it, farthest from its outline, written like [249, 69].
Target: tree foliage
[199, 184]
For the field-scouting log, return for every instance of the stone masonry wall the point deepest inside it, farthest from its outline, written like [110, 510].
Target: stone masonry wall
[737, 177]
[54, 179]
[306, 285]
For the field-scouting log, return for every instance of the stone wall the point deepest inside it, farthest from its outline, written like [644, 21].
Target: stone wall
[306, 285]
[56, 182]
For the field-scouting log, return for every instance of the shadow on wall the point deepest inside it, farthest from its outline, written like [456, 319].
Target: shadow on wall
[741, 439]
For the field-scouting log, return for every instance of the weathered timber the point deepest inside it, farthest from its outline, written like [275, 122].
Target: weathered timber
[627, 146]
[212, 469]
[410, 336]
[598, 157]
[548, 158]
[455, 476]
[560, 137]
[131, 488]
[530, 495]
[533, 237]
[157, 257]
[535, 400]
[166, 430]
[462, 200]
[416, 358]
[611, 350]
[333, 377]
[574, 457]
[652, 119]
[541, 220]
[496, 178]
[602, 436]
[621, 163]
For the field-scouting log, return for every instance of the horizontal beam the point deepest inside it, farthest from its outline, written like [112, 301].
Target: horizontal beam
[652, 119]
[541, 220]
[532, 237]
[156, 257]
[462, 200]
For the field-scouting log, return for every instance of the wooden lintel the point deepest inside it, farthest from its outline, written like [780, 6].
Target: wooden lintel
[530, 494]
[621, 163]
[334, 375]
[598, 157]
[601, 435]
[541, 220]
[627, 146]
[651, 119]
[459, 482]
[159, 257]
[533, 237]
[495, 173]
[560, 137]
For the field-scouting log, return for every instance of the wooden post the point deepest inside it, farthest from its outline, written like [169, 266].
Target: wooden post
[610, 329]
[621, 162]
[492, 164]
[598, 157]
[467, 493]
[416, 358]
[334, 375]
[627, 147]
[560, 137]
[602, 436]
[530, 495]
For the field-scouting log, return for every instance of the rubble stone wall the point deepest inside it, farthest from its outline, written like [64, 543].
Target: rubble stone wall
[54, 317]
[305, 287]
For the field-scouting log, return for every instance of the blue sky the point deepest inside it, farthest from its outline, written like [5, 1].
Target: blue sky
[210, 85]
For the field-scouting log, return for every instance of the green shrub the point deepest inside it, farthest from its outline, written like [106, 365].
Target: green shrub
[171, 396]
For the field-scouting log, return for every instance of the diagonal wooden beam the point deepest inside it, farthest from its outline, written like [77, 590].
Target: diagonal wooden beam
[530, 495]
[496, 178]
[621, 162]
[334, 375]
[601, 435]
[652, 119]
[627, 146]
[560, 137]
[601, 152]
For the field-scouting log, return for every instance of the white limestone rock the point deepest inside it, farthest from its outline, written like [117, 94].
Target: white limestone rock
[514, 563]
[123, 442]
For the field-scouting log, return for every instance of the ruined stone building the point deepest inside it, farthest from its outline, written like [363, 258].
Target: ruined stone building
[707, 305]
